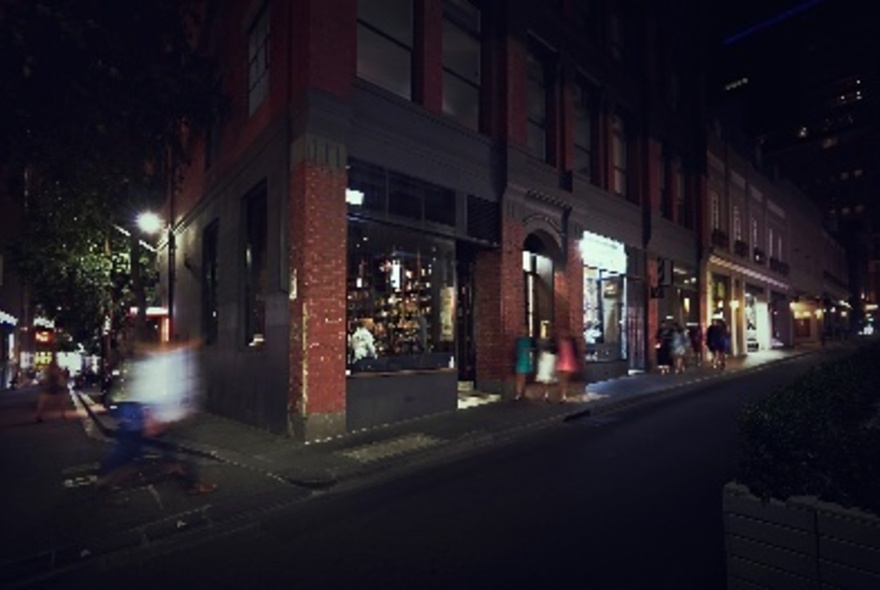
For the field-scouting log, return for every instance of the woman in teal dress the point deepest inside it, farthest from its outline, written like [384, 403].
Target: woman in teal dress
[524, 363]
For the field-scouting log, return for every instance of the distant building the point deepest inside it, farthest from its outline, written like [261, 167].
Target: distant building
[808, 91]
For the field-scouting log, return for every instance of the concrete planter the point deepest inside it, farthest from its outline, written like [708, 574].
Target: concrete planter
[800, 543]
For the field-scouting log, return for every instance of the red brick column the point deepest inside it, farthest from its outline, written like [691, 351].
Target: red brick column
[652, 311]
[652, 188]
[575, 277]
[317, 251]
[428, 54]
[499, 303]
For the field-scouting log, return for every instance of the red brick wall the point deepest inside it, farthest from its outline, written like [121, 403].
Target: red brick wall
[652, 184]
[318, 234]
[575, 277]
[499, 306]
[514, 93]
[323, 45]
[428, 54]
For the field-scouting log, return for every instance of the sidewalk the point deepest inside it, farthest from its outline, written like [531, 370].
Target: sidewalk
[355, 455]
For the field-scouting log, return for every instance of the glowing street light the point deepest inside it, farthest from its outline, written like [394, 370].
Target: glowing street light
[149, 222]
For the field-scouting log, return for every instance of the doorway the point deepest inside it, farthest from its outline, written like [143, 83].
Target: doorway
[538, 267]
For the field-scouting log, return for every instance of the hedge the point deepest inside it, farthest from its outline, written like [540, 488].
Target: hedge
[818, 436]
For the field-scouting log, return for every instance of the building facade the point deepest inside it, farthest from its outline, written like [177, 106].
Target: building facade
[399, 188]
[772, 271]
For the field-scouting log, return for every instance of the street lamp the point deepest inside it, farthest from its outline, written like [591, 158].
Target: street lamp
[151, 223]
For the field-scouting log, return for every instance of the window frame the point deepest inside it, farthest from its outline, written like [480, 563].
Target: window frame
[258, 81]
[450, 17]
[408, 46]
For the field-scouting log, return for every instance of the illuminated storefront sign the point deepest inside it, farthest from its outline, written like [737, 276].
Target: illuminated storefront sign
[601, 252]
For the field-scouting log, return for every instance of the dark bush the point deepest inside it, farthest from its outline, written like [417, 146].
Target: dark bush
[818, 435]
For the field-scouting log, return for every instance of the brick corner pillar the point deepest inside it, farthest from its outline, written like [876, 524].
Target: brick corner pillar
[499, 313]
[653, 312]
[575, 275]
[317, 254]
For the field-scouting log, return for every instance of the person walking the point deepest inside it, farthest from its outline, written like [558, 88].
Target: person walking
[546, 374]
[566, 364]
[524, 363]
[696, 341]
[54, 388]
[680, 347]
[664, 347]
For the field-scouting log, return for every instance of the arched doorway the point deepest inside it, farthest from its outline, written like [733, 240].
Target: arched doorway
[540, 255]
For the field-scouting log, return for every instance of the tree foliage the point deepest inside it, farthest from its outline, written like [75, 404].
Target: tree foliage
[95, 98]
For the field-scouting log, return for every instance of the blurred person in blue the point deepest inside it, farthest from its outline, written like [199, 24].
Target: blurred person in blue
[161, 390]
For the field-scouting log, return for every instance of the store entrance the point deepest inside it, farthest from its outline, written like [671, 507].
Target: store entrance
[538, 274]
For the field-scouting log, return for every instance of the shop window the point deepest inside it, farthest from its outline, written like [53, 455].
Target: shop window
[210, 283]
[604, 297]
[258, 60]
[400, 300]
[255, 267]
[370, 183]
[583, 129]
[618, 156]
[385, 44]
[461, 62]
[537, 84]
[403, 196]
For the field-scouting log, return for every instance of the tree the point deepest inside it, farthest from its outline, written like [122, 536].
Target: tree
[95, 100]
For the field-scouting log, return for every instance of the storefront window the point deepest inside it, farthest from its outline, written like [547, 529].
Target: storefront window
[604, 297]
[401, 299]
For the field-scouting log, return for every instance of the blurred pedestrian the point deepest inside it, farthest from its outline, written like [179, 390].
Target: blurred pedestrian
[680, 346]
[664, 347]
[546, 374]
[696, 338]
[566, 363]
[524, 364]
[161, 394]
[54, 390]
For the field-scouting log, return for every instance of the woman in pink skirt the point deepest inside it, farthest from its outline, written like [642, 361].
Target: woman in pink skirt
[566, 364]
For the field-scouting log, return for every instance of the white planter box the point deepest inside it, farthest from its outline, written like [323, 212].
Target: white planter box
[800, 543]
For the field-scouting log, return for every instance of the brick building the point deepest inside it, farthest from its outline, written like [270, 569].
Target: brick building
[398, 187]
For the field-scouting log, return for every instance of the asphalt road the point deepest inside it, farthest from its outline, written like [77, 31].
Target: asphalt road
[631, 500]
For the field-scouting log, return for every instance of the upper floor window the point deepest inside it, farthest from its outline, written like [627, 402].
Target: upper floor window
[737, 224]
[258, 60]
[665, 207]
[770, 242]
[385, 44]
[582, 131]
[615, 36]
[681, 212]
[256, 282]
[538, 81]
[618, 156]
[779, 248]
[461, 61]
[755, 233]
[715, 210]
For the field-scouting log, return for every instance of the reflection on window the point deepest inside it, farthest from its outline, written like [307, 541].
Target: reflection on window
[401, 299]
[256, 269]
[385, 41]
[258, 60]
[461, 62]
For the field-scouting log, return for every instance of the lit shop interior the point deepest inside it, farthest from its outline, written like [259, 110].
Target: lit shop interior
[605, 296]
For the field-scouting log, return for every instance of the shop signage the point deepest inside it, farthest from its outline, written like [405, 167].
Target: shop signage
[604, 253]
